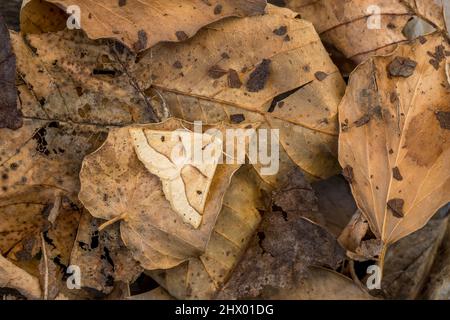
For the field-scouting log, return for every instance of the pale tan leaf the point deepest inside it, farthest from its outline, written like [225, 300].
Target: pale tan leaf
[394, 132]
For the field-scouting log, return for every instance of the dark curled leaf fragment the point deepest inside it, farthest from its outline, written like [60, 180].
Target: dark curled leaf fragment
[402, 67]
[258, 78]
[10, 116]
[444, 119]
[396, 205]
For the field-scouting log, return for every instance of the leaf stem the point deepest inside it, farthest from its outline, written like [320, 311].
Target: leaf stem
[381, 260]
[112, 221]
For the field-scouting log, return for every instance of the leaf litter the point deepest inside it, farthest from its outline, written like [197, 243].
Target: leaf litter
[87, 117]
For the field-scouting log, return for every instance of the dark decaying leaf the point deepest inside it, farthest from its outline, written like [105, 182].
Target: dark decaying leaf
[10, 116]
[285, 245]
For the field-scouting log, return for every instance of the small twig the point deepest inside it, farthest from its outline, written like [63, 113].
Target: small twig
[44, 253]
[112, 221]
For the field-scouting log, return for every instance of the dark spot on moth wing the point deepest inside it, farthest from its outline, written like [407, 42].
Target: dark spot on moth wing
[444, 119]
[141, 43]
[233, 79]
[181, 35]
[320, 75]
[347, 172]
[237, 118]
[396, 206]
[258, 78]
[216, 72]
[401, 67]
[281, 31]
[396, 174]
[122, 3]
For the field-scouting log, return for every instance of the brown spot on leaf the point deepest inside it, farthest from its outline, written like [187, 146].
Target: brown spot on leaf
[420, 147]
[237, 118]
[347, 172]
[216, 72]
[396, 206]
[181, 35]
[281, 31]
[396, 174]
[258, 78]
[402, 67]
[320, 75]
[141, 44]
[233, 79]
[437, 57]
[444, 119]
[365, 119]
[422, 40]
[218, 9]
[177, 65]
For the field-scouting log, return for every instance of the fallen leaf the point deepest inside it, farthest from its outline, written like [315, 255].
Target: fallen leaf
[102, 257]
[409, 261]
[67, 77]
[360, 29]
[405, 129]
[10, 116]
[15, 278]
[336, 203]
[272, 264]
[138, 24]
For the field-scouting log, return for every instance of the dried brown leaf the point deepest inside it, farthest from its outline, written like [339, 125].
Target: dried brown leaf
[345, 24]
[138, 24]
[274, 265]
[406, 129]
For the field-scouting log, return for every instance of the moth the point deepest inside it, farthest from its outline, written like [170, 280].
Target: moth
[185, 162]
